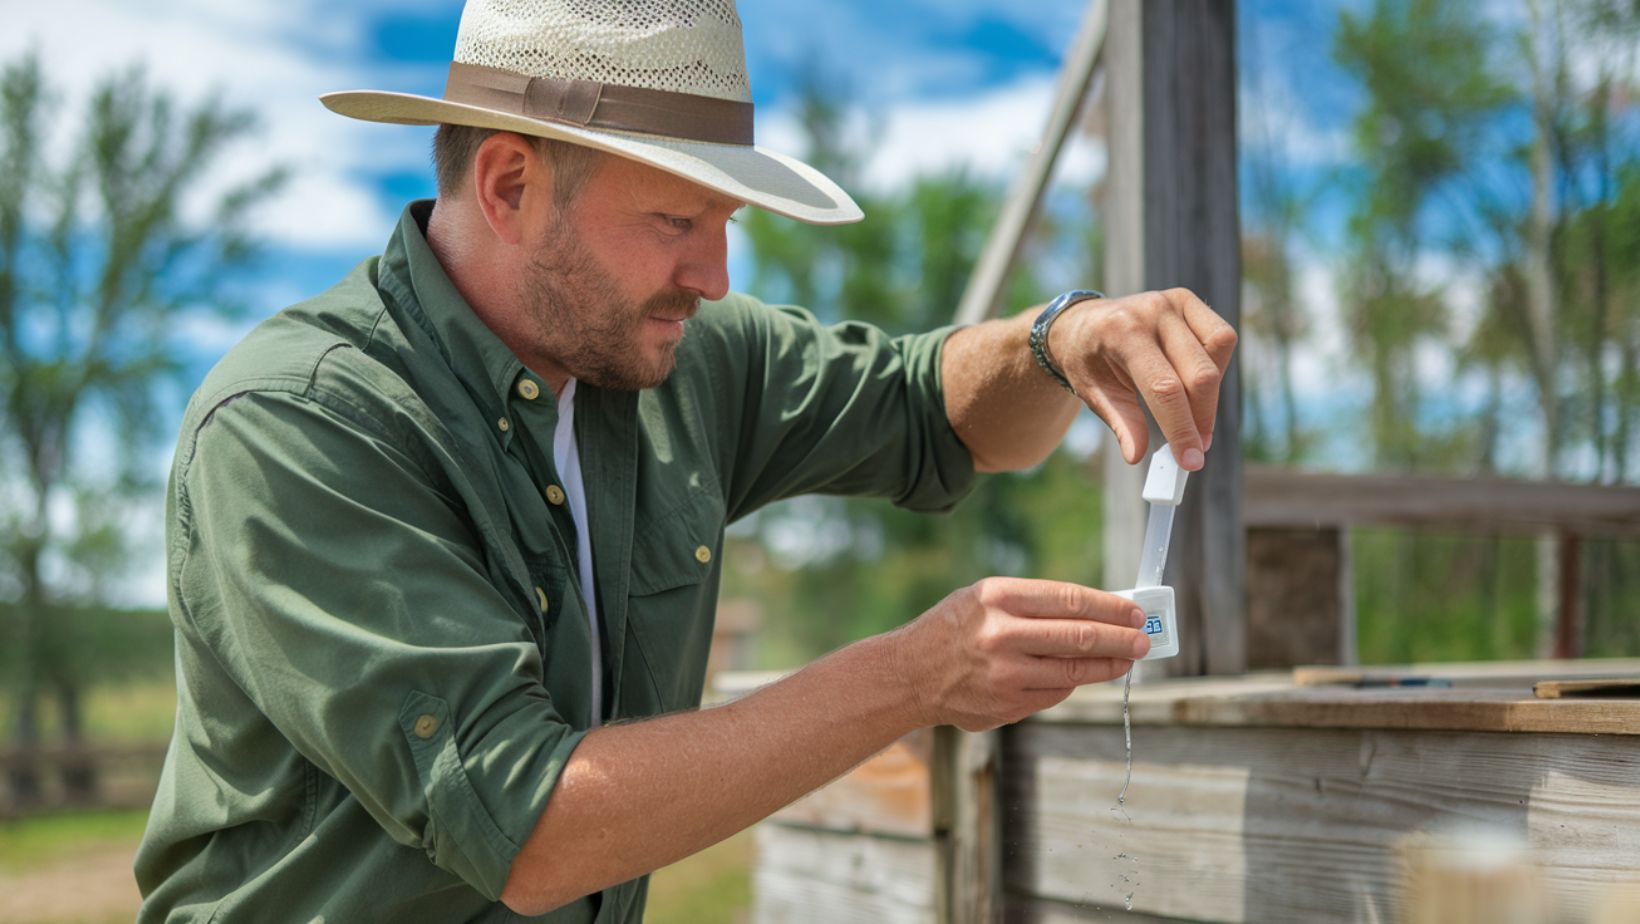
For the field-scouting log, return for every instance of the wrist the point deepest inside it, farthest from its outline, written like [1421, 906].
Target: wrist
[1042, 330]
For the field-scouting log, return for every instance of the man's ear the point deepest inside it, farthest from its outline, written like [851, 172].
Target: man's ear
[512, 183]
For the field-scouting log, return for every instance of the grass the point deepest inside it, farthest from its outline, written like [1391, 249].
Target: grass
[30, 843]
[131, 712]
[711, 887]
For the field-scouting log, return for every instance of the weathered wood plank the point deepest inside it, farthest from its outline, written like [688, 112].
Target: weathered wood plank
[804, 875]
[1171, 215]
[1471, 674]
[1626, 687]
[888, 794]
[1023, 909]
[1271, 700]
[968, 825]
[1286, 498]
[1278, 825]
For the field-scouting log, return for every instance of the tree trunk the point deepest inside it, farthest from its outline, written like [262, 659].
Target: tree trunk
[23, 773]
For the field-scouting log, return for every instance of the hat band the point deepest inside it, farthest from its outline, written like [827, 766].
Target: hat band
[590, 104]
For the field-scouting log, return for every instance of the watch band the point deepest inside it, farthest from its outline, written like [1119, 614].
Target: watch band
[1044, 321]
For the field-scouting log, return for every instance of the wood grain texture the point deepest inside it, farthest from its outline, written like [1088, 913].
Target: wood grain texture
[1289, 825]
[824, 877]
[1626, 687]
[1171, 215]
[967, 825]
[1272, 701]
[1295, 499]
[889, 794]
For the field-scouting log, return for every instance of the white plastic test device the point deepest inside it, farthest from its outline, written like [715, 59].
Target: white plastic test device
[1164, 489]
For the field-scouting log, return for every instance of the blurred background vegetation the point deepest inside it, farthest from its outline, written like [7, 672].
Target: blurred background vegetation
[1479, 239]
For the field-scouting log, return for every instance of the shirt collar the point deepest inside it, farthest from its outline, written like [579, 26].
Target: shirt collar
[413, 276]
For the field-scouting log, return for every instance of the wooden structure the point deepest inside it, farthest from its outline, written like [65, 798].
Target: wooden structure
[1267, 798]
[1264, 799]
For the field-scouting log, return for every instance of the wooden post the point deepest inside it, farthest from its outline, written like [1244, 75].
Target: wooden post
[967, 826]
[1569, 614]
[1300, 608]
[1172, 220]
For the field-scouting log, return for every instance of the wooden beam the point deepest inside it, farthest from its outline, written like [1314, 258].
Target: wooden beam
[983, 296]
[1288, 498]
[1171, 217]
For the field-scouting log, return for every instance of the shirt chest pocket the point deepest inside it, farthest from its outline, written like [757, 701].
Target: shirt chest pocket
[679, 548]
[672, 603]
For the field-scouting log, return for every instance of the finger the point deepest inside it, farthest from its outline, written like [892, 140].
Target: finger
[1037, 700]
[1079, 638]
[1034, 598]
[1163, 390]
[1056, 673]
[1214, 333]
[1121, 412]
[1197, 370]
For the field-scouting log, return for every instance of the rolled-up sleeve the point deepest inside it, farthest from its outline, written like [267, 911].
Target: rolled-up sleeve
[842, 409]
[343, 589]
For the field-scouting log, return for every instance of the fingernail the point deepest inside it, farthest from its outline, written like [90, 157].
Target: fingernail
[1136, 618]
[1193, 459]
[1141, 646]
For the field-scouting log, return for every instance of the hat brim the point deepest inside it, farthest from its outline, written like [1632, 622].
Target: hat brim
[772, 181]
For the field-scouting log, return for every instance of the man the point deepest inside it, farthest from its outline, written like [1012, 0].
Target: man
[443, 542]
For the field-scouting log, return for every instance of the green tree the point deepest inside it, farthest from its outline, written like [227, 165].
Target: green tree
[98, 265]
[1431, 97]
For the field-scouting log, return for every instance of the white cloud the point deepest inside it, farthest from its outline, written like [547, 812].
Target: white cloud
[992, 134]
[246, 53]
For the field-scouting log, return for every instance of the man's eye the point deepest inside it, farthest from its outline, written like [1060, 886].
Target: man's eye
[678, 223]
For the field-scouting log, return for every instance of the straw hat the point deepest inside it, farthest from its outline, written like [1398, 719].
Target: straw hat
[658, 81]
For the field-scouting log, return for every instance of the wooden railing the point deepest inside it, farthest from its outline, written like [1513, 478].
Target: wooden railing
[1299, 581]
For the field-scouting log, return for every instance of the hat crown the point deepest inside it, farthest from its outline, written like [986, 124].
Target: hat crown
[683, 46]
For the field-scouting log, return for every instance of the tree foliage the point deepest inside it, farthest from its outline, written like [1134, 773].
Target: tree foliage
[108, 245]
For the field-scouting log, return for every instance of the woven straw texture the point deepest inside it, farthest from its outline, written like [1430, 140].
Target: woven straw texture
[685, 46]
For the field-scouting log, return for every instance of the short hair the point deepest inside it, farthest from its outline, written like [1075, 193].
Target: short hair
[455, 146]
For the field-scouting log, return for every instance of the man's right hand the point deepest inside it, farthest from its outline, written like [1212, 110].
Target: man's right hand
[1001, 649]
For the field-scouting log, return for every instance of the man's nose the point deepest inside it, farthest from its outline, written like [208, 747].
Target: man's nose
[705, 268]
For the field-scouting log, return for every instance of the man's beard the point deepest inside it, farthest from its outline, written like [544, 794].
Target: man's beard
[587, 327]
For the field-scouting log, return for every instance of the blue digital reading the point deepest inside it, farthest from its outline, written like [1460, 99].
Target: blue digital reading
[1153, 625]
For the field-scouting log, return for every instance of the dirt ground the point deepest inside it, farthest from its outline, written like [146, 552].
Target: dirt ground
[93, 886]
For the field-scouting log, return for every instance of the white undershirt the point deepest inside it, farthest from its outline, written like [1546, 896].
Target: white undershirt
[568, 461]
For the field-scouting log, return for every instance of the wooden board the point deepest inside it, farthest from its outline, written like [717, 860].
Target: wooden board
[1282, 497]
[823, 877]
[1291, 825]
[888, 794]
[1477, 673]
[1627, 687]
[1271, 701]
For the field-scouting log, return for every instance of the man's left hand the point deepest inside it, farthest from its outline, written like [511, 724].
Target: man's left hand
[1167, 347]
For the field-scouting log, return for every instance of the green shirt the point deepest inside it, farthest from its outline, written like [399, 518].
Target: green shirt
[382, 648]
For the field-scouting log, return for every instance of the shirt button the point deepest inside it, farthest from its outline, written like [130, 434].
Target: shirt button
[555, 495]
[503, 425]
[425, 726]
[541, 598]
[703, 554]
[528, 390]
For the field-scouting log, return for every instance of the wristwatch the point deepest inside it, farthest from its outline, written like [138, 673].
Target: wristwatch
[1044, 321]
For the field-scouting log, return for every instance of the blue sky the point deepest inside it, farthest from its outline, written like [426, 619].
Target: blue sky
[953, 81]
[950, 82]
